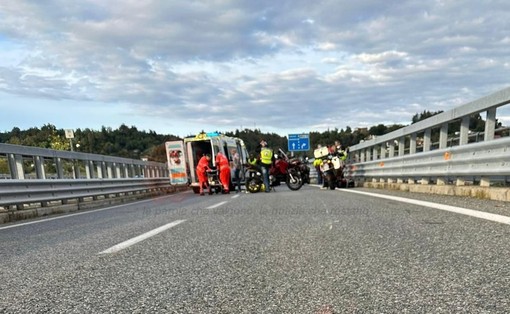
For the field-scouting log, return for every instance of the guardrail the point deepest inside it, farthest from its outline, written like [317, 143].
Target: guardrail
[33, 162]
[20, 192]
[408, 155]
[42, 178]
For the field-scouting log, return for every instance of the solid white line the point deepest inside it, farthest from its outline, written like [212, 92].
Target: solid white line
[459, 210]
[77, 214]
[140, 238]
[216, 205]
[235, 196]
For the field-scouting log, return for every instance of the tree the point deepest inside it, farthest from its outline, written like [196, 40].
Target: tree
[424, 115]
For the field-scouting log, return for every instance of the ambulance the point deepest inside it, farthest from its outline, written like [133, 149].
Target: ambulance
[183, 157]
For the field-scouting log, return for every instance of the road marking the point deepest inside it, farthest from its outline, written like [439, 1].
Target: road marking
[140, 238]
[80, 213]
[216, 205]
[459, 210]
[236, 196]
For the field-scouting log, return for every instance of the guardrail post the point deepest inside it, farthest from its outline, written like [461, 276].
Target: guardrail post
[426, 140]
[109, 170]
[76, 169]
[16, 166]
[59, 168]
[118, 172]
[490, 124]
[391, 149]
[401, 146]
[127, 171]
[368, 155]
[39, 167]
[89, 169]
[412, 145]
[484, 181]
[464, 131]
[101, 169]
[443, 136]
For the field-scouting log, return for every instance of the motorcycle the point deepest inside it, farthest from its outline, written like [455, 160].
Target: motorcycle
[332, 169]
[303, 168]
[254, 180]
[286, 170]
[291, 171]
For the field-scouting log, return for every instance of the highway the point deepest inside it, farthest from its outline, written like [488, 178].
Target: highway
[310, 251]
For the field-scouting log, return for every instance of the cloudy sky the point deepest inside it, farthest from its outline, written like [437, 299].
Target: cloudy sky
[179, 67]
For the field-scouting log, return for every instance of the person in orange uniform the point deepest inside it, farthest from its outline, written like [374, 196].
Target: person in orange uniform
[202, 167]
[224, 171]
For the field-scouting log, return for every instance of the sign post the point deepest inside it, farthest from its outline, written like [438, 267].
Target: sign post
[70, 136]
[299, 142]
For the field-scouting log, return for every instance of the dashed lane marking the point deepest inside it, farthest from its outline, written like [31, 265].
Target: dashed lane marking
[141, 237]
[216, 205]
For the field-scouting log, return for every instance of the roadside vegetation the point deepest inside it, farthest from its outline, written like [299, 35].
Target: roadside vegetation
[129, 142]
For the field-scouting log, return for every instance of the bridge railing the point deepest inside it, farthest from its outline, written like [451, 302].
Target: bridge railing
[428, 152]
[38, 177]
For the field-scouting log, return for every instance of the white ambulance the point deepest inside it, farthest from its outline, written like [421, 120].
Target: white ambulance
[183, 156]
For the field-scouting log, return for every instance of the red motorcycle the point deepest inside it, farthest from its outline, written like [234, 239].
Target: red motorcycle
[286, 170]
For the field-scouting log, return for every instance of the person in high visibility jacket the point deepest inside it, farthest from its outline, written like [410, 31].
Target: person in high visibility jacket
[252, 160]
[317, 165]
[266, 160]
[224, 171]
[202, 167]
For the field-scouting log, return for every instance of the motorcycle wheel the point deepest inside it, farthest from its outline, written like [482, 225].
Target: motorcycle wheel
[330, 178]
[253, 185]
[296, 183]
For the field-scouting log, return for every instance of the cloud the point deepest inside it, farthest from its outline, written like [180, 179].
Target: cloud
[280, 65]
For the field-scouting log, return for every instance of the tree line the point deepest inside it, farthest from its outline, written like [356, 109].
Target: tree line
[129, 142]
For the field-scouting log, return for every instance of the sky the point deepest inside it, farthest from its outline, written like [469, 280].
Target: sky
[180, 67]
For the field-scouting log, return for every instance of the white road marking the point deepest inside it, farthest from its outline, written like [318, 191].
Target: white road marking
[459, 210]
[216, 205]
[236, 196]
[140, 238]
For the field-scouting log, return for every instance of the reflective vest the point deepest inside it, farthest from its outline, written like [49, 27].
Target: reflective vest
[266, 156]
[253, 161]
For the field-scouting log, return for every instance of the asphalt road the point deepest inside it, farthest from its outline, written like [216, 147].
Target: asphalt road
[310, 251]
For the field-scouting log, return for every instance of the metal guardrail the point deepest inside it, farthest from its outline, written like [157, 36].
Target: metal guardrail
[21, 192]
[483, 160]
[40, 177]
[67, 164]
[408, 155]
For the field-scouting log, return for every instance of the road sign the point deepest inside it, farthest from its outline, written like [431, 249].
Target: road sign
[299, 142]
[69, 133]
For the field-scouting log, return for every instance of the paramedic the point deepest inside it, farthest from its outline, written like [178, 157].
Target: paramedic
[224, 171]
[202, 167]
